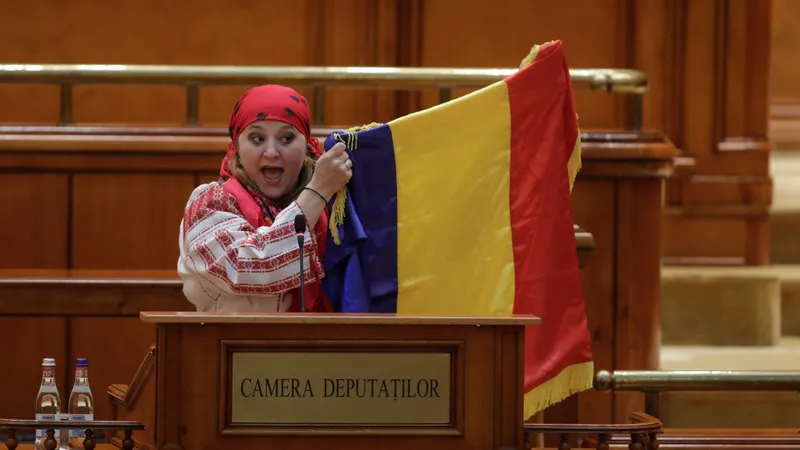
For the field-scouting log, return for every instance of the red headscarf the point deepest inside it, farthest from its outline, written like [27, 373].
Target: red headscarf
[269, 102]
[273, 102]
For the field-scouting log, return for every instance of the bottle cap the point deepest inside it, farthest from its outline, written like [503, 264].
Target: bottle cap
[48, 362]
[81, 362]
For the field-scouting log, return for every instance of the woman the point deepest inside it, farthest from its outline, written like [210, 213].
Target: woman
[238, 245]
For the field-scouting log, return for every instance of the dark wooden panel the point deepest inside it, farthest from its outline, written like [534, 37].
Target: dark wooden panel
[716, 84]
[34, 229]
[26, 340]
[784, 72]
[128, 221]
[500, 36]
[204, 178]
[272, 33]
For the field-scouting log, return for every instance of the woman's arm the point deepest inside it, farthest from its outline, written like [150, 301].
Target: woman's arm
[220, 246]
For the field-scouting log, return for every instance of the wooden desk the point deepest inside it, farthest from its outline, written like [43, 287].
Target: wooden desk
[205, 361]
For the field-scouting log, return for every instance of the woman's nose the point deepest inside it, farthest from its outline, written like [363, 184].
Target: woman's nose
[271, 148]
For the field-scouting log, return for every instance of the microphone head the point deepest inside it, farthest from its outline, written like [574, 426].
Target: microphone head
[300, 224]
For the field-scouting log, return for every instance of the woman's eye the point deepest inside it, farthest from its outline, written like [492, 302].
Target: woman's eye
[256, 139]
[287, 138]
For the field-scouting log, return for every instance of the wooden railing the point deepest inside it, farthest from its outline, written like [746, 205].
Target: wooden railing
[643, 432]
[623, 81]
[12, 426]
[653, 382]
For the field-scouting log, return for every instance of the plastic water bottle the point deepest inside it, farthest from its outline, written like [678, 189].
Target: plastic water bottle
[81, 402]
[48, 402]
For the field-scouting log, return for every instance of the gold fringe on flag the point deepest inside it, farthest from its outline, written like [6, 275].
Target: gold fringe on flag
[350, 140]
[573, 379]
[574, 163]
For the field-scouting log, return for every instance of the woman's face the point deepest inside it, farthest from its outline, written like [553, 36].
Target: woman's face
[272, 155]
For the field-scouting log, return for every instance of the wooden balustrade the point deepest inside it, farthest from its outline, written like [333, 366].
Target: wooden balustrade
[711, 440]
[652, 383]
[643, 431]
[12, 426]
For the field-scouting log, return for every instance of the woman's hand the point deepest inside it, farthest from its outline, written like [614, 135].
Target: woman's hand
[332, 172]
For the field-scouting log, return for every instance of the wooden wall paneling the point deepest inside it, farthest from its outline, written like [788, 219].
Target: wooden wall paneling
[594, 34]
[409, 50]
[718, 75]
[67, 314]
[784, 61]
[40, 337]
[656, 32]
[358, 33]
[686, 236]
[242, 32]
[784, 126]
[113, 347]
[206, 177]
[312, 32]
[36, 216]
[128, 221]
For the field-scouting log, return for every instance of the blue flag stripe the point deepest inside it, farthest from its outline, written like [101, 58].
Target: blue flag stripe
[361, 273]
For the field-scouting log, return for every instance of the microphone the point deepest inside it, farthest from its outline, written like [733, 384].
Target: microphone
[300, 229]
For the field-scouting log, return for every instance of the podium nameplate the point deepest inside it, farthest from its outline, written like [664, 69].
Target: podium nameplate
[279, 385]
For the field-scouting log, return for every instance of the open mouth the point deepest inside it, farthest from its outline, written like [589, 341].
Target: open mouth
[272, 173]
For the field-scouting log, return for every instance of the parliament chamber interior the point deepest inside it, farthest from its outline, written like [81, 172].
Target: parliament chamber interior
[569, 224]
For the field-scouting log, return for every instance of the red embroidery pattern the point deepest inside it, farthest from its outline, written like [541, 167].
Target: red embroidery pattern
[207, 203]
[250, 256]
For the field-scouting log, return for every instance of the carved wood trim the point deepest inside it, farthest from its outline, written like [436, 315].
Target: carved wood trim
[640, 423]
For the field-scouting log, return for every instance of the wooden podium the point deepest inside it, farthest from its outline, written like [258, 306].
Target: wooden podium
[292, 381]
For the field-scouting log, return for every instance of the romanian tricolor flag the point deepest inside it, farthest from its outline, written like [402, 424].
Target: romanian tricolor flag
[464, 208]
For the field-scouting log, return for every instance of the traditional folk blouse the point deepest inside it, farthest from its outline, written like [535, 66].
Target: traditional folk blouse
[228, 265]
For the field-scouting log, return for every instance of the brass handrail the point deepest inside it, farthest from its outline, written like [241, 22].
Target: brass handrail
[653, 382]
[696, 380]
[624, 81]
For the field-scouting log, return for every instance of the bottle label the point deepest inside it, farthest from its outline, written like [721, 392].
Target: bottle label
[78, 432]
[40, 434]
